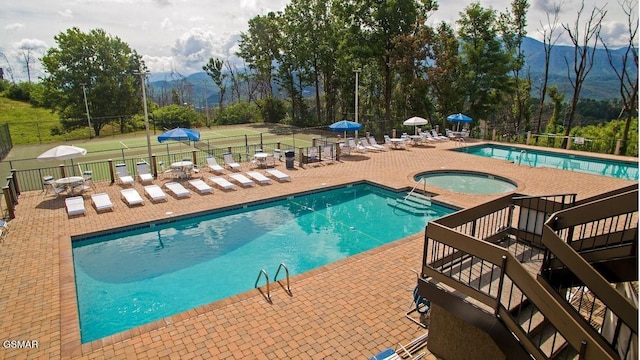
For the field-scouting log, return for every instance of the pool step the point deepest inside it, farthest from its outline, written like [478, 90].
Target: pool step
[413, 203]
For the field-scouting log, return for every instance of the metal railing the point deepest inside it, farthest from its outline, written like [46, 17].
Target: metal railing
[471, 251]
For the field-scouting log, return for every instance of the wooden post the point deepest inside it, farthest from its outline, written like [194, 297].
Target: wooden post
[7, 199]
[569, 138]
[528, 137]
[618, 147]
[111, 172]
[14, 177]
[62, 171]
[154, 162]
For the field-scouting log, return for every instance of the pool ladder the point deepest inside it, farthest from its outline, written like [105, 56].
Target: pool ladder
[523, 153]
[266, 276]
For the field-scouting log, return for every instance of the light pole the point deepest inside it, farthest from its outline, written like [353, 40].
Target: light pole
[357, 71]
[143, 78]
[86, 107]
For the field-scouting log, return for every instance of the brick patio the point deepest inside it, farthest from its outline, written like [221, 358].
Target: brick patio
[350, 309]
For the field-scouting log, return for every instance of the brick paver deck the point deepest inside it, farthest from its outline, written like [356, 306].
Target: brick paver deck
[347, 310]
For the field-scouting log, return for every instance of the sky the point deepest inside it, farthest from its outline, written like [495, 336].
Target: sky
[181, 35]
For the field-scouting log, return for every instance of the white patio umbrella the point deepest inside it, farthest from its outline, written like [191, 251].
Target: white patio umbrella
[415, 121]
[62, 152]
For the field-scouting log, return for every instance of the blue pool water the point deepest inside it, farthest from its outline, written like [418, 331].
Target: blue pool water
[130, 278]
[539, 158]
[467, 182]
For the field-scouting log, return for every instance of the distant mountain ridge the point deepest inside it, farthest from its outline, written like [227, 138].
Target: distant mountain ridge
[601, 82]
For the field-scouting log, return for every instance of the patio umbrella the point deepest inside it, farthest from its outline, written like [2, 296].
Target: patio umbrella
[345, 125]
[415, 121]
[62, 152]
[459, 117]
[179, 134]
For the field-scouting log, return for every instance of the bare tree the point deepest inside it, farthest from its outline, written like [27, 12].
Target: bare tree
[628, 84]
[549, 40]
[29, 49]
[8, 69]
[584, 49]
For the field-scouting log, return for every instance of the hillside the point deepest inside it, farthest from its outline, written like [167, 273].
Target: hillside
[601, 83]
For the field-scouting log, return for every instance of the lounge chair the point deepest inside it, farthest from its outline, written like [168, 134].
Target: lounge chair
[213, 165]
[144, 174]
[279, 175]
[177, 189]
[201, 186]
[75, 205]
[437, 136]
[222, 183]
[375, 144]
[241, 179]
[386, 354]
[365, 143]
[261, 179]
[358, 147]
[230, 162]
[123, 174]
[131, 196]
[101, 202]
[155, 193]
[327, 153]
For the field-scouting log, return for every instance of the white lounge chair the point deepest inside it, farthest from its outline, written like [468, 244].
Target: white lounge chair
[241, 179]
[261, 179]
[358, 147]
[123, 174]
[75, 205]
[222, 183]
[228, 159]
[201, 186]
[131, 196]
[144, 174]
[101, 202]
[374, 143]
[278, 174]
[437, 136]
[365, 143]
[213, 165]
[155, 193]
[178, 190]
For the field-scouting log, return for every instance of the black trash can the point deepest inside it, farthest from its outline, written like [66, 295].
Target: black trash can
[289, 156]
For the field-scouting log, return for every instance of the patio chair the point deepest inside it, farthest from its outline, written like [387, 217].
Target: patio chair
[49, 186]
[230, 162]
[328, 154]
[123, 174]
[201, 186]
[4, 230]
[213, 165]
[144, 175]
[222, 183]
[131, 196]
[261, 179]
[375, 144]
[177, 189]
[242, 180]
[101, 202]
[75, 205]
[279, 175]
[155, 193]
[421, 306]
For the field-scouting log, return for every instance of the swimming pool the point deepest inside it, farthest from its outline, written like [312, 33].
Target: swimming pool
[540, 158]
[137, 276]
[467, 182]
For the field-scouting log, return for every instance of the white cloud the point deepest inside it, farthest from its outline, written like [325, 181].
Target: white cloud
[66, 13]
[14, 26]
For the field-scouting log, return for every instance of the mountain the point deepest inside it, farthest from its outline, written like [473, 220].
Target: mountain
[601, 82]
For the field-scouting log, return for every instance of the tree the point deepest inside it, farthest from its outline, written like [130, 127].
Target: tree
[105, 65]
[445, 76]
[584, 49]
[628, 84]
[214, 69]
[485, 62]
[549, 40]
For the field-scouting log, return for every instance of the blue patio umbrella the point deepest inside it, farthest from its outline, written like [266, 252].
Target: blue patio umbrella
[179, 134]
[459, 117]
[345, 125]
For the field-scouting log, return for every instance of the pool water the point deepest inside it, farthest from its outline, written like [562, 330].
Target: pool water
[467, 182]
[134, 277]
[539, 158]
